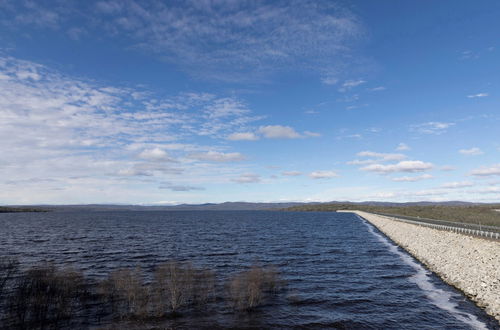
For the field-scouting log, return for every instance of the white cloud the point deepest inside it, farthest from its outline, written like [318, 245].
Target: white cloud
[291, 173]
[403, 166]
[362, 162]
[214, 156]
[402, 147]
[271, 132]
[471, 151]
[248, 178]
[457, 184]
[412, 178]
[376, 157]
[112, 137]
[323, 174]
[447, 168]
[278, 132]
[432, 127]
[487, 171]
[155, 154]
[477, 95]
[381, 156]
[243, 136]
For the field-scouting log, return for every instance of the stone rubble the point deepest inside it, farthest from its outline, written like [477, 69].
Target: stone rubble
[470, 264]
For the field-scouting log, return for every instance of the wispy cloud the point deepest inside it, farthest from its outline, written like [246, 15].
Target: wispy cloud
[403, 166]
[412, 178]
[402, 147]
[473, 96]
[457, 184]
[311, 134]
[350, 84]
[330, 80]
[323, 174]
[471, 152]
[468, 55]
[291, 173]
[247, 178]
[376, 157]
[271, 132]
[380, 156]
[432, 127]
[256, 42]
[214, 156]
[243, 136]
[487, 171]
[488, 190]
[178, 187]
[377, 89]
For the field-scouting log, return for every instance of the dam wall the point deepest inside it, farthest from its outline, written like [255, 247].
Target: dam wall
[470, 264]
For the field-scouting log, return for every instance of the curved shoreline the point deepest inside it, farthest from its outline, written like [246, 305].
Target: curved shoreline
[470, 264]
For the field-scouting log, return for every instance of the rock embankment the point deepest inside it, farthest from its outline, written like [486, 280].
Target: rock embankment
[468, 263]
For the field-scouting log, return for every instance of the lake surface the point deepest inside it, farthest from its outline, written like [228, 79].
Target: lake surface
[340, 271]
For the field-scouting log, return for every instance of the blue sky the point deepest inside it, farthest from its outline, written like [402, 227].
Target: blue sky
[156, 102]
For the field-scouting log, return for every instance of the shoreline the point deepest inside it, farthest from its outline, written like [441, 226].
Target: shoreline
[470, 264]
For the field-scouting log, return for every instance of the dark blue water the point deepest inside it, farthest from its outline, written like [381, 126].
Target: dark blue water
[340, 271]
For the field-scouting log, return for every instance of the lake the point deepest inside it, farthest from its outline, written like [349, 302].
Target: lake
[340, 271]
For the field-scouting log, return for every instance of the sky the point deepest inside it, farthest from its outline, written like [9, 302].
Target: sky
[166, 102]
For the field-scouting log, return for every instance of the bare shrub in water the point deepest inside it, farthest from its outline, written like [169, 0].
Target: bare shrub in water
[178, 284]
[45, 296]
[126, 292]
[203, 286]
[248, 289]
[8, 269]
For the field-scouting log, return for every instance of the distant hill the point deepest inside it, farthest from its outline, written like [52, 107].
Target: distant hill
[226, 206]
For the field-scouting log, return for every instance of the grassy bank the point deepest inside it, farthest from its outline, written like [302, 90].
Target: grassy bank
[46, 296]
[477, 214]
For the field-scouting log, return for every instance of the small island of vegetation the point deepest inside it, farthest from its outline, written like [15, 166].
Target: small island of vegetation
[5, 209]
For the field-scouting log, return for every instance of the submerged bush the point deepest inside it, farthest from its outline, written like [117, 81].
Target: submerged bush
[45, 295]
[8, 268]
[178, 284]
[248, 289]
[125, 291]
[49, 297]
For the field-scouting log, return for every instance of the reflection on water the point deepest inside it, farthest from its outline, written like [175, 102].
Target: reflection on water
[339, 273]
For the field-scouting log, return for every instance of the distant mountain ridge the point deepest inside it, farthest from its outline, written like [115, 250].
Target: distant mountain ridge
[227, 206]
